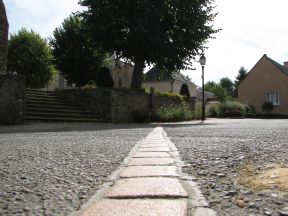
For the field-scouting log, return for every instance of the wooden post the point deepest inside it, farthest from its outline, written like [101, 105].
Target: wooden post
[151, 102]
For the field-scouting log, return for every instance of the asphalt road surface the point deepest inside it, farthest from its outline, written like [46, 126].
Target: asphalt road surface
[216, 151]
[52, 169]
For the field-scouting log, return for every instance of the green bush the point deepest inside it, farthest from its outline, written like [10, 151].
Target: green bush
[213, 110]
[173, 113]
[89, 85]
[198, 111]
[267, 106]
[250, 109]
[231, 109]
[170, 95]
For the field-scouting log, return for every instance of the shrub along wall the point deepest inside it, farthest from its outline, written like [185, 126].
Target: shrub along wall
[12, 103]
[119, 105]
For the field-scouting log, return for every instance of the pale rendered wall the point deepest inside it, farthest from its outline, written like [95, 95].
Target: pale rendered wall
[161, 86]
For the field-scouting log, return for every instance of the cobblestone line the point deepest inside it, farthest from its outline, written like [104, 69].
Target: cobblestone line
[150, 182]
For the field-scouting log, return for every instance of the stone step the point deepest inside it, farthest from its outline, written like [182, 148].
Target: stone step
[59, 119]
[29, 95]
[48, 107]
[69, 115]
[43, 101]
[56, 110]
[53, 106]
[32, 91]
[49, 99]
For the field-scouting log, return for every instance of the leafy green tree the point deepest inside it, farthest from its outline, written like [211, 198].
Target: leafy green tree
[29, 54]
[74, 54]
[220, 93]
[209, 86]
[163, 33]
[228, 85]
[218, 90]
[242, 73]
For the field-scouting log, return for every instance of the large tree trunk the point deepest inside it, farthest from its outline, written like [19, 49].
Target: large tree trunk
[136, 82]
[3, 38]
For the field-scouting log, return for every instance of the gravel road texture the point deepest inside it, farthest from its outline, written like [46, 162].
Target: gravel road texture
[217, 151]
[52, 169]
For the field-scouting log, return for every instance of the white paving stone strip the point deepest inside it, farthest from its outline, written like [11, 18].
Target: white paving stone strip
[150, 182]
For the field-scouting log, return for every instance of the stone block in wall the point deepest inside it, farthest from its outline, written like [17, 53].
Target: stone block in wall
[129, 106]
[3, 38]
[95, 100]
[117, 105]
[12, 99]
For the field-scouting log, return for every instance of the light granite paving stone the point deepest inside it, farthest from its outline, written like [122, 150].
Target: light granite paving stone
[200, 211]
[155, 149]
[154, 141]
[148, 187]
[135, 207]
[149, 171]
[151, 155]
[151, 161]
[152, 145]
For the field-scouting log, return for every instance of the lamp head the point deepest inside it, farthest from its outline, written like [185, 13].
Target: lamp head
[202, 60]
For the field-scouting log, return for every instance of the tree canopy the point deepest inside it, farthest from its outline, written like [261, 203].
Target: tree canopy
[218, 90]
[74, 54]
[241, 75]
[163, 33]
[29, 54]
[228, 85]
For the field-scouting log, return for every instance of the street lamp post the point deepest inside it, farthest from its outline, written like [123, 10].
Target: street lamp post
[202, 61]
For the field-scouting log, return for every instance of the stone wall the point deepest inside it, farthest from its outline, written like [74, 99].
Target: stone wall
[94, 101]
[3, 38]
[12, 99]
[117, 105]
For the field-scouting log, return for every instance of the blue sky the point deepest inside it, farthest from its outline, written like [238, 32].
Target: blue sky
[251, 28]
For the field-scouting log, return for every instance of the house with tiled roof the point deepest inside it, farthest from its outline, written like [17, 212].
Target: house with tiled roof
[174, 82]
[266, 81]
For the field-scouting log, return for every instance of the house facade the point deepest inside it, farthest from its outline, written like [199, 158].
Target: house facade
[122, 74]
[173, 82]
[266, 81]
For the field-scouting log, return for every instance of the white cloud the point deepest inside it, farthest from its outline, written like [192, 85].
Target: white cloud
[251, 28]
[41, 16]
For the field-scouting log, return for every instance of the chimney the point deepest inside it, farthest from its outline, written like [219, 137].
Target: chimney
[286, 64]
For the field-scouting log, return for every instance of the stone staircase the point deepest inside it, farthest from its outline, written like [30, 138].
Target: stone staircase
[47, 107]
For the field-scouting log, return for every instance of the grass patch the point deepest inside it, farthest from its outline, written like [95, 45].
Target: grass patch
[273, 176]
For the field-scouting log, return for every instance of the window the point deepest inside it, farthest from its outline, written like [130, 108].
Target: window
[273, 97]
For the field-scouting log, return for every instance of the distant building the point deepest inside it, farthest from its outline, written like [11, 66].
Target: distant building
[174, 82]
[208, 96]
[122, 73]
[266, 81]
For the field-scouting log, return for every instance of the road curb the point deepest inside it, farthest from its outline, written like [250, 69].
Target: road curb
[149, 193]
